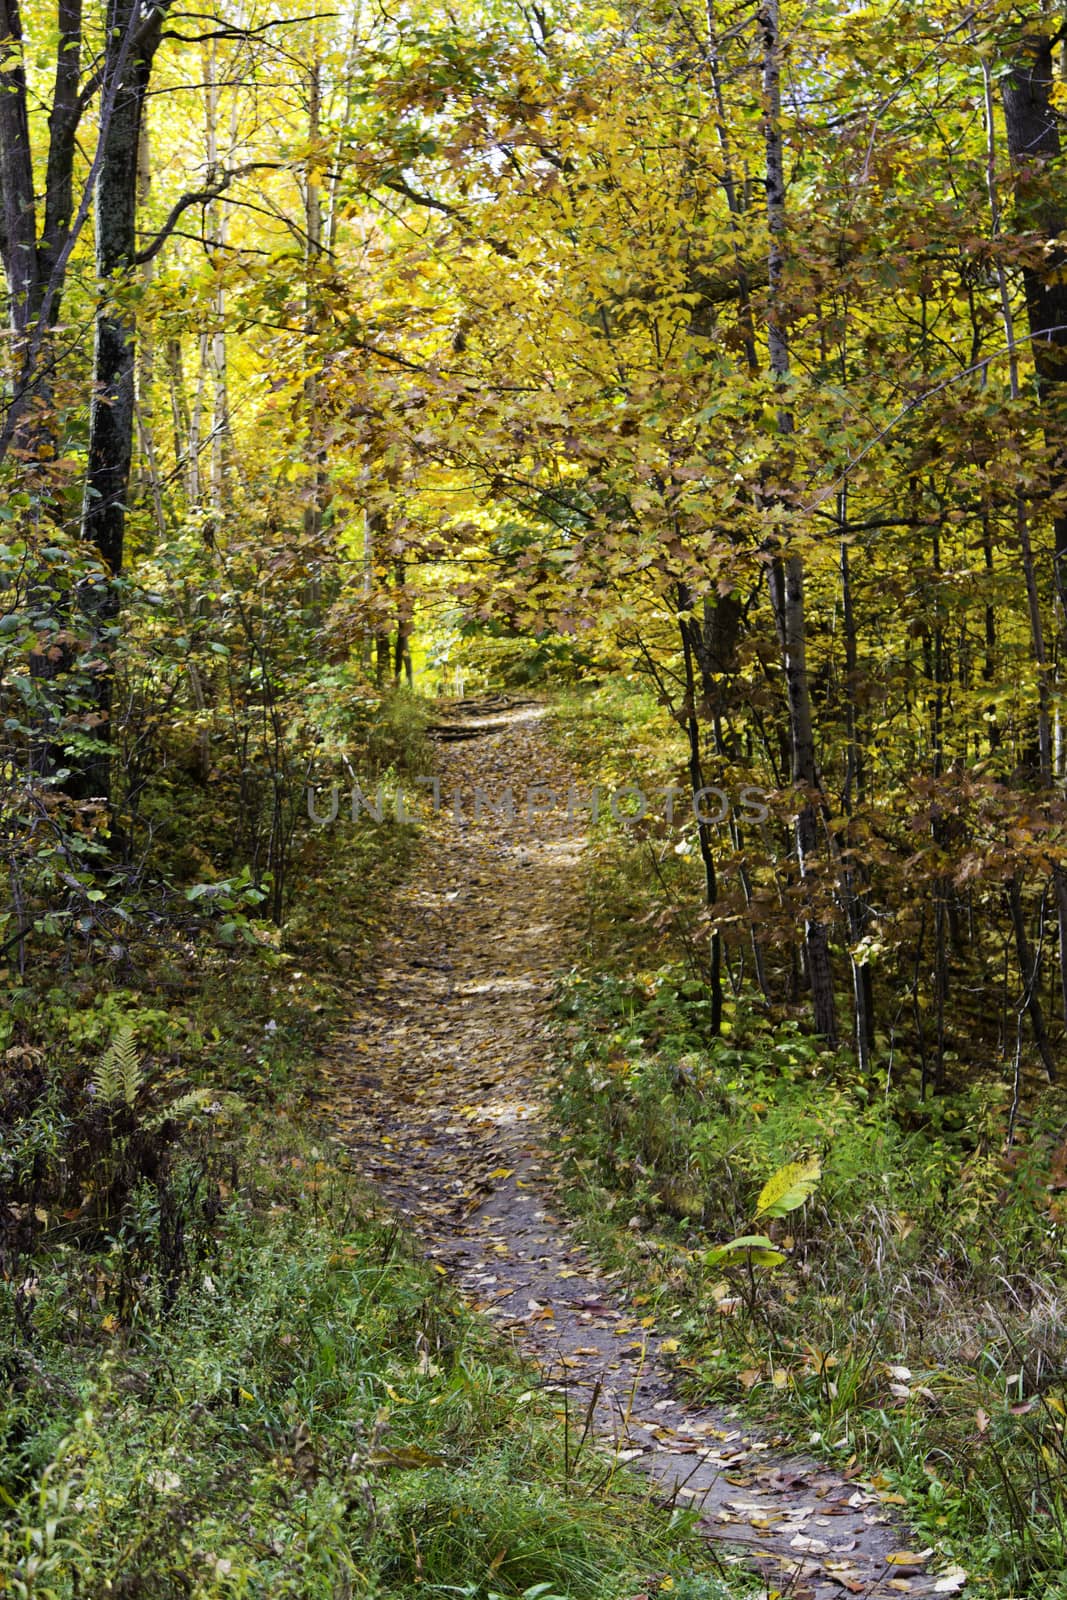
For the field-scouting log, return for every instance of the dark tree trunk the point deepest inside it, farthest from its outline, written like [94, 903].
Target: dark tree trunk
[62, 128]
[858, 918]
[1029, 973]
[31, 270]
[787, 573]
[381, 660]
[787, 598]
[35, 270]
[713, 641]
[18, 241]
[1034, 145]
[404, 627]
[111, 421]
[707, 857]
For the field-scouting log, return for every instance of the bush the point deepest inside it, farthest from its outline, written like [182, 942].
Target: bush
[316, 1417]
[917, 1321]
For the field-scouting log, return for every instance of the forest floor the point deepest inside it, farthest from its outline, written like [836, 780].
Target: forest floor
[439, 1087]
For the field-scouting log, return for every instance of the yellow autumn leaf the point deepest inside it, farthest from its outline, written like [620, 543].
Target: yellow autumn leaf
[788, 1189]
[406, 1457]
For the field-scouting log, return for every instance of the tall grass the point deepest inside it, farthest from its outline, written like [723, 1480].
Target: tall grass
[315, 1416]
[918, 1326]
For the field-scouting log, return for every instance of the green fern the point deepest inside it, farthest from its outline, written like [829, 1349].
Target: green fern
[199, 1100]
[118, 1075]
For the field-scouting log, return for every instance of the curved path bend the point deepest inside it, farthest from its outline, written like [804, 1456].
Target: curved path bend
[436, 1087]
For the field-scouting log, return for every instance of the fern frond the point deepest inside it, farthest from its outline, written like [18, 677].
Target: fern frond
[198, 1100]
[118, 1075]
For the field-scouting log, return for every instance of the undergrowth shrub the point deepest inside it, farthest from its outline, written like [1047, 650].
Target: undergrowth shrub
[917, 1323]
[316, 1416]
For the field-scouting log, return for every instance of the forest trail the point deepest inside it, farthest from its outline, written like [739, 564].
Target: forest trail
[437, 1089]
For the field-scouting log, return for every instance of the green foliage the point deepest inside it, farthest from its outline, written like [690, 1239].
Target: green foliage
[118, 1075]
[788, 1189]
[784, 1192]
[38, 1549]
[912, 1318]
[316, 1415]
[754, 1249]
[219, 1373]
[509, 662]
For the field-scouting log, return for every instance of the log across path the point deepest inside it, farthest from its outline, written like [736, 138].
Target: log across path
[437, 1087]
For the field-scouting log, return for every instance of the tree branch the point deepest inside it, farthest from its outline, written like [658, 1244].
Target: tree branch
[231, 32]
[198, 197]
[400, 186]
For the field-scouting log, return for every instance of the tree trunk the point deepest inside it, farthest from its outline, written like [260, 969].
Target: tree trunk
[696, 780]
[402, 657]
[31, 270]
[787, 572]
[787, 598]
[858, 917]
[316, 490]
[1029, 973]
[1033, 132]
[216, 228]
[1033, 145]
[111, 419]
[18, 238]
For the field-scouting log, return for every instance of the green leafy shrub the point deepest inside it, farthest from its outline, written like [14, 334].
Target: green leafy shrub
[912, 1316]
[317, 1416]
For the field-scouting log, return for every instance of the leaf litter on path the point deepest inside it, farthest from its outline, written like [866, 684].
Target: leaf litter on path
[437, 1087]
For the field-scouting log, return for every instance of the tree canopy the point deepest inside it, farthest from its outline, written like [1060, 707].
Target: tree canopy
[720, 344]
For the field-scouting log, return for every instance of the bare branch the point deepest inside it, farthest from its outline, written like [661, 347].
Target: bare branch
[400, 186]
[197, 197]
[229, 31]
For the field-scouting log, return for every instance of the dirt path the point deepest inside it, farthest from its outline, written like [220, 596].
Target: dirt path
[436, 1088]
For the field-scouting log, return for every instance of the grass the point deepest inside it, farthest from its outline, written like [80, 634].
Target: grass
[315, 1415]
[223, 1376]
[917, 1329]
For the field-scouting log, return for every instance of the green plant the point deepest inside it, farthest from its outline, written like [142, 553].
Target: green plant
[916, 1320]
[317, 1415]
[786, 1191]
[119, 1075]
[38, 1550]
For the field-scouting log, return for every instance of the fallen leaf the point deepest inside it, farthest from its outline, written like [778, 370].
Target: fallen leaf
[908, 1558]
[811, 1547]
[407, 1457]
